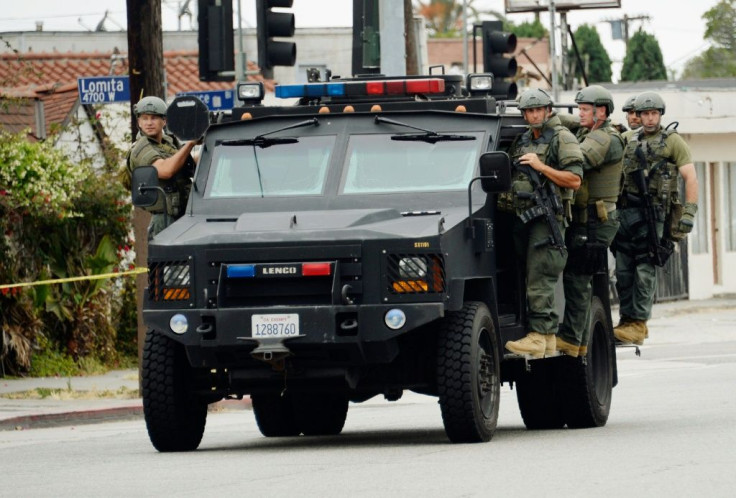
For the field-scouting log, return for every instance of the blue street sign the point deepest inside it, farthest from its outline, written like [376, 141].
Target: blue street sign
[103, 89]
[215, 100]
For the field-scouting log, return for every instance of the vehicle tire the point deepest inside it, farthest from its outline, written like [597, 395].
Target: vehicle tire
[468, 374]
[321, 414]
[275, 415]
[537, 393]
[175, 417]
[589, 384]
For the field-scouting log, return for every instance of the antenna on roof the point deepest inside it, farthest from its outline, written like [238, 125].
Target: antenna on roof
[79, 20]
[101, 24]
[184, 10]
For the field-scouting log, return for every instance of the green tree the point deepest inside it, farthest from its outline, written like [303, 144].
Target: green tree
[593, 54]
[527, 29]
[643, 61]
[718, 61]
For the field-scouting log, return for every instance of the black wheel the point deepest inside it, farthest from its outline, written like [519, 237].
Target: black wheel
[468, 375]
[275, 415]
[589, 384]
[321, 414]
[175, 417]
[538, 394]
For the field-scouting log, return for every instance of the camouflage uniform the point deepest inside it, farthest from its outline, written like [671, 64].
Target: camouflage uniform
[636, 281]
[145, 152]
[595, 223]
[558, 148]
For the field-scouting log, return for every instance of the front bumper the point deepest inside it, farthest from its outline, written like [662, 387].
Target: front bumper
[344, 335]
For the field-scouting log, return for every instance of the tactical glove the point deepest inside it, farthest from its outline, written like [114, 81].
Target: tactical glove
[688, 217]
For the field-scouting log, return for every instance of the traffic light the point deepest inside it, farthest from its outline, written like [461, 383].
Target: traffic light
[216, 40]
[496, 43]
[274, 24]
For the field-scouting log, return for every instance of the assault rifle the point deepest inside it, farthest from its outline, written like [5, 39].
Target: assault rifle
[658, 251]
[546, 203]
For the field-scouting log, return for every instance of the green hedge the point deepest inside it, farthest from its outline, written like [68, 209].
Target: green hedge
[60, 219]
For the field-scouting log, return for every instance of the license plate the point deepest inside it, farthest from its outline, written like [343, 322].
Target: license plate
[281, 325]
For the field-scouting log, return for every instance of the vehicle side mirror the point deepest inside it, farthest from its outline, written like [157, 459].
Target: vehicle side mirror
[495, 172]
[144, 186]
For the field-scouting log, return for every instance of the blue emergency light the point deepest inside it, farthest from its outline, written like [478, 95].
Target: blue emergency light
[362, 88]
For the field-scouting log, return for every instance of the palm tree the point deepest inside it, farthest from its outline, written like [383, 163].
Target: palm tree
[445, 17]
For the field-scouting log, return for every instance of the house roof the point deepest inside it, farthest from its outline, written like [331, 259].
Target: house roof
[51, 78]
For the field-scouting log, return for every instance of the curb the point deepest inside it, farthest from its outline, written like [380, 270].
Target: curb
[92, 416]
[71, 418]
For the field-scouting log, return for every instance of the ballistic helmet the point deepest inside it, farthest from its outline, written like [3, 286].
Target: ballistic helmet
[649, 101]
[533, 98]
[151, 105]
[595, 95]
[629, 104]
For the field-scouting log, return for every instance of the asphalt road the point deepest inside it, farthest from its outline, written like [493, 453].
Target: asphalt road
[672, 432]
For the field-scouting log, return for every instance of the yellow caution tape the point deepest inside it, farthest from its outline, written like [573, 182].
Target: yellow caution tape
[135, 271]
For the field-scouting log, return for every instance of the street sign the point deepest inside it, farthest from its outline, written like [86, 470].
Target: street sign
[103, 89]
[215, 100]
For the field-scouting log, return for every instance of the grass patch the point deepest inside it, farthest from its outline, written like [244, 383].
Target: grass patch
[68, 394]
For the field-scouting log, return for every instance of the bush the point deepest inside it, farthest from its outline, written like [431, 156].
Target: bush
[59, 219]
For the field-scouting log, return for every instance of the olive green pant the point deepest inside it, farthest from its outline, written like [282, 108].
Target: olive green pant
[543, 264]
[575, 327]
[159, 221]
[636, 278]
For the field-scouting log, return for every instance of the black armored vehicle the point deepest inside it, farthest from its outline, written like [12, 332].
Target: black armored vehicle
[346, 245]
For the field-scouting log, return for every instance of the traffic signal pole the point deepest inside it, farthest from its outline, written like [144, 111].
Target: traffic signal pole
[553, 51]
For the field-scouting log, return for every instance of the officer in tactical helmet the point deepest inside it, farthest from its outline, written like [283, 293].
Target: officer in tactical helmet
[661, 154]
[631, 117]
[173, 162]
[594, 217]
[553, 152]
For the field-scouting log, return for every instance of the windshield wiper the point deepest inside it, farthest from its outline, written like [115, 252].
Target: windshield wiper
[428, 136]
[262, 142]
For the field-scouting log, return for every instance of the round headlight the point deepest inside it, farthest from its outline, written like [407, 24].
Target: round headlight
[178, 323]
[394, 319]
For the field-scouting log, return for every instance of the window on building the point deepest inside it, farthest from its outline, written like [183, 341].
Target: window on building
[730, 196]
[699, 235]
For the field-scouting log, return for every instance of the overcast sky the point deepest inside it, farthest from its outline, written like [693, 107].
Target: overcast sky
[677, 25]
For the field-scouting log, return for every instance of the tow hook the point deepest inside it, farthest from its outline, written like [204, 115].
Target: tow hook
[271, 350]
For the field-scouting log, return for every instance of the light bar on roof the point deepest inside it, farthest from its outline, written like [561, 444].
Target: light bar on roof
[362, 88]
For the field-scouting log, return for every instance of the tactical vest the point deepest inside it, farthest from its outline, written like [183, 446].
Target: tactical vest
[661, 172]
[604, 182]
[509, 201]
[177, 188]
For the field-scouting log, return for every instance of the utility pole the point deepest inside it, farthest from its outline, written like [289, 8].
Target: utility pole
[553, 50]
[411, 39]
[620, 27]
[146, 72]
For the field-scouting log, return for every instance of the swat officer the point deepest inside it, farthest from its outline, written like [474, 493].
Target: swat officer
[173, 162]
[594, 217]
[552, 151]
[663, 154]
[631, 117]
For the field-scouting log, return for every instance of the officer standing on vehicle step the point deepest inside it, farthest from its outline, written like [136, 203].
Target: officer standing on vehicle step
[553, 154]
[173, 162]
[661, 154]
[594, 217]
[632, 118]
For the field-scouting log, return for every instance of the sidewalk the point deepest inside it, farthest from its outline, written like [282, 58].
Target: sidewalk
[54, 411]
[78, 402]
